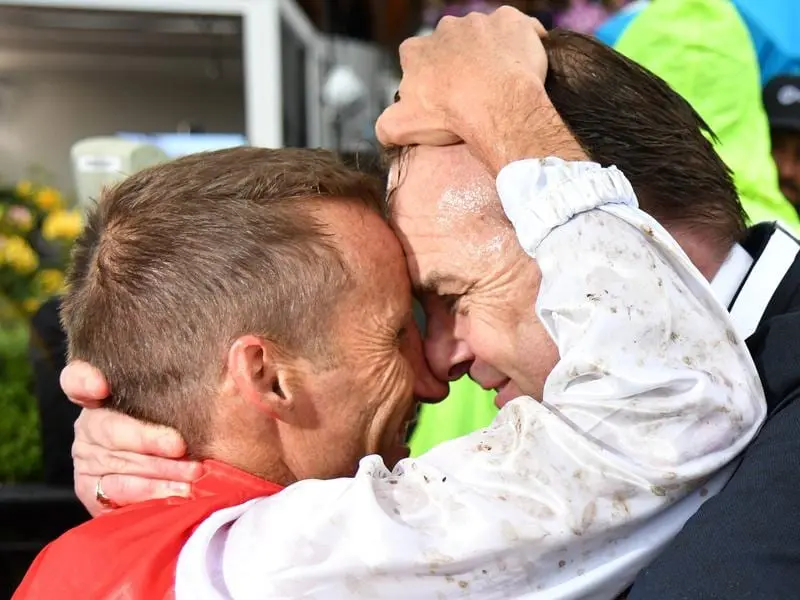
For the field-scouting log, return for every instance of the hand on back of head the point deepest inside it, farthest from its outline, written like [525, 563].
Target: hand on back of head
[459, 74]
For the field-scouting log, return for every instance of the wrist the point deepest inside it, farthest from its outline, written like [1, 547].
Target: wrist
[522, 124]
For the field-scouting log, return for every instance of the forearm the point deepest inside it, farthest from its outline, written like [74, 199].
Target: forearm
[528, 109]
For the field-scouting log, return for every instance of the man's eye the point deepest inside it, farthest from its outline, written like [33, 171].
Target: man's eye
[401, 333]
[450, 301]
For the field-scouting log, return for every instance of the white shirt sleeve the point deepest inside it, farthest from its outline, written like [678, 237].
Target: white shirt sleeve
[568, 498]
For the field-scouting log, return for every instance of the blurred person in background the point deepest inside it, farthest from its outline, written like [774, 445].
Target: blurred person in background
[772, 25]
[782, 101]
[468, 407]
[585, 16]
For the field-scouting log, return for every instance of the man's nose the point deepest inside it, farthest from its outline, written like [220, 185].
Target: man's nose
[448, 357]
[429, 389]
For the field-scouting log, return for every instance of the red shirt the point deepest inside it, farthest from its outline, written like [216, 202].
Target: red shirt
[131, 553]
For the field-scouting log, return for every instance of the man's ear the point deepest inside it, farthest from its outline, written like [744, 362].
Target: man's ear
[258, 372]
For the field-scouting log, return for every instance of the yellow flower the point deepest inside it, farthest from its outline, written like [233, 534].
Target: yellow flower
[19, 255]
[48, 199]
[31, 305]
[62, 225]
[24, 188]
[51, 281]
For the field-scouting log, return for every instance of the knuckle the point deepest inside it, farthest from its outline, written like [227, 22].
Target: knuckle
[78, 450]
[78, 426]
[409, 49]
[79, 483]
[407, 46]
[115, 464]
[507, 11]
[449, 21]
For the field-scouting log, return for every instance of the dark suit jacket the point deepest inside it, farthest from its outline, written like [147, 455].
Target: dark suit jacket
[744, 544]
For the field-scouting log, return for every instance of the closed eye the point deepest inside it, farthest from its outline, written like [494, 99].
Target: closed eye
[450, 301]
[401, 333]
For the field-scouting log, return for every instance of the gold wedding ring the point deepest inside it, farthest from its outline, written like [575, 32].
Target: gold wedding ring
[101, 497]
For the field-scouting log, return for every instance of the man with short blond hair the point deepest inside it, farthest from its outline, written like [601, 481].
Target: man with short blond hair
[192, 287]
[156, 235]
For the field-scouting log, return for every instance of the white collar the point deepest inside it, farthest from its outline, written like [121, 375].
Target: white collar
[746, 285]
[731, 275]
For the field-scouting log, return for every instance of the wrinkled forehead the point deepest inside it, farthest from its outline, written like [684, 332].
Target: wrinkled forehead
[445, 210]
[447, 182]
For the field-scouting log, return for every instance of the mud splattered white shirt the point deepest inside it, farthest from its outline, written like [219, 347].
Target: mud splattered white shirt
[654, 395]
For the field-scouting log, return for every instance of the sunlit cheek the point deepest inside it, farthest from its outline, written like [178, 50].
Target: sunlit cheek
[411, 358]
[487, 335]
[413, 353]
[387, 372]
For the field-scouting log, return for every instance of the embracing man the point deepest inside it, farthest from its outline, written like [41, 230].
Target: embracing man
[296, 355]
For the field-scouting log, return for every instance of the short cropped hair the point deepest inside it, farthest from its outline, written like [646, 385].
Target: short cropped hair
[180, 259]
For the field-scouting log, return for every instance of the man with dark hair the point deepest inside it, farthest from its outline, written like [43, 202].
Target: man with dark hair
[744, 543]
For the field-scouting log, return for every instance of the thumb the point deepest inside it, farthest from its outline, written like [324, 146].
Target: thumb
[84, 385]
[401, 124]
